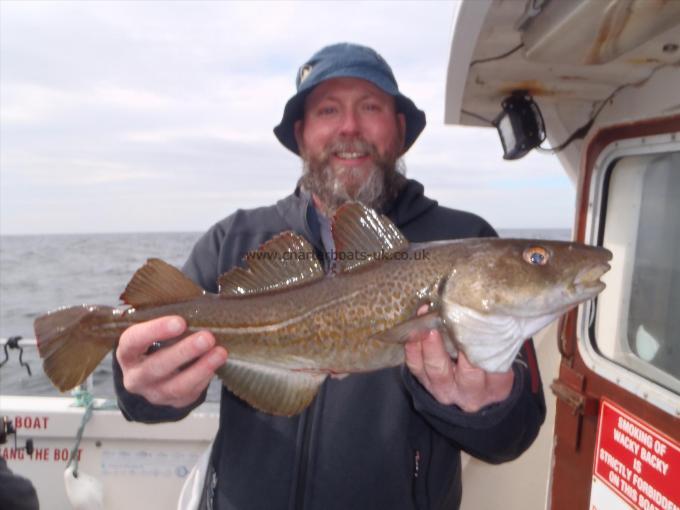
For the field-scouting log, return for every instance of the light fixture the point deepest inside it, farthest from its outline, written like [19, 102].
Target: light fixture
[520, 125]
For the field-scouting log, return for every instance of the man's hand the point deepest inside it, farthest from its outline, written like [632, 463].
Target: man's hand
[164, 377]
[454, 382]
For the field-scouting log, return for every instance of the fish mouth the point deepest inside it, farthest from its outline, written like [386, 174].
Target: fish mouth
[588, 281]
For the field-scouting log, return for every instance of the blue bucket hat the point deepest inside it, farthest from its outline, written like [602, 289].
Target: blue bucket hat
[346, 60]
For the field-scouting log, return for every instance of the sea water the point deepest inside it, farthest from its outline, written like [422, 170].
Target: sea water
[43, 273]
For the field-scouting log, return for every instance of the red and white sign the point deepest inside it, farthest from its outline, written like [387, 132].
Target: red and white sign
[635, 461]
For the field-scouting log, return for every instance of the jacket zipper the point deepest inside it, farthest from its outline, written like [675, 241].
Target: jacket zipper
[416, 464]
[304, 461]
[419, 481]
[306, 450]
[301, 482]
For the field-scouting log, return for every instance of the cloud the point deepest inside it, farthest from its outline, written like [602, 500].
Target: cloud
[170, 105]
[31, 103]
[129, 99]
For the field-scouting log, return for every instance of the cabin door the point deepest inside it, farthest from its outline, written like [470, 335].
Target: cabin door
[617, 429]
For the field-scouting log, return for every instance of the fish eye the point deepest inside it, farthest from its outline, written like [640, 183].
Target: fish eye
[536, 256]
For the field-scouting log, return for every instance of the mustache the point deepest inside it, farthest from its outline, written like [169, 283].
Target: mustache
[354, 144]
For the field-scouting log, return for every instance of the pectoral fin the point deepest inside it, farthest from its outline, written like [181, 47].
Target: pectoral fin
[402, 333]
[270, 389]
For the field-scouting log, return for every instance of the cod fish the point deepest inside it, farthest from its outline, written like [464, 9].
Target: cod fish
[288, 325]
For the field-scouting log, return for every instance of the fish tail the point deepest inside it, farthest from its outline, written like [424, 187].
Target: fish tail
[72, 342]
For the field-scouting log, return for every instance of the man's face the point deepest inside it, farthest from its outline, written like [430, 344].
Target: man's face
[350, 139]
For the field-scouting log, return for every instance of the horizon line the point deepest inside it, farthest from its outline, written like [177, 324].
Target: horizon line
[130, 232]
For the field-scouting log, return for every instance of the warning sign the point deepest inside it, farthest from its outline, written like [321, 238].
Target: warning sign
[636, 462]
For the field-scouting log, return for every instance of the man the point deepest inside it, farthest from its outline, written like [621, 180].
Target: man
[16, 492]
[387, 439]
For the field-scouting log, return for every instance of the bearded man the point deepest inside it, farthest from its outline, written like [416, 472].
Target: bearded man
[389, 439]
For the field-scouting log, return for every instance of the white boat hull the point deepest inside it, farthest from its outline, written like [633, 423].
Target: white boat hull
[138, 465]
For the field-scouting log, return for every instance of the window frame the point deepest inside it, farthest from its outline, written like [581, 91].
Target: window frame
[634, 382]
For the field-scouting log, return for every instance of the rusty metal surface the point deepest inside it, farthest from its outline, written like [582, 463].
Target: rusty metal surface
[562, 79]
[594, 32]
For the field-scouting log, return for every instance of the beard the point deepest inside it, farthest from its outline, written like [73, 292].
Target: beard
[334, 184]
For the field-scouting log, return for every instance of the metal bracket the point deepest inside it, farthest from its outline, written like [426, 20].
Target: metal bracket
[574, 399]
[569, 390]
[579, 403]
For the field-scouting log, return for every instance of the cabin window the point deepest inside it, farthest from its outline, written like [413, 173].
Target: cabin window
[638, 317]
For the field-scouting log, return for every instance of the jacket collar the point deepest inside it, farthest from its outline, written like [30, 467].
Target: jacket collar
[410, 204]
[297, 210]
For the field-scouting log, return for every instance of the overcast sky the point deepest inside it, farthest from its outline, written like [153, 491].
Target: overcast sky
[158, 116]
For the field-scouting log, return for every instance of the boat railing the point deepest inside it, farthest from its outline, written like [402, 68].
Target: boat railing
[13, 347]
[17, 343]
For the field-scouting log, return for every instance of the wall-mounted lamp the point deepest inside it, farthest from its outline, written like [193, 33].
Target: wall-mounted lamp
[520, 125]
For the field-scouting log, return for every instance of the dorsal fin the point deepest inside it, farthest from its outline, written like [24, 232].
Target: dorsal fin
[285, 261]
[159, 283]
[361, 236]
